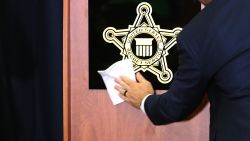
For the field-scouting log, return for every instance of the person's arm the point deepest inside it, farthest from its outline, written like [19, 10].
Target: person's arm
[143, 102]
[184, 95]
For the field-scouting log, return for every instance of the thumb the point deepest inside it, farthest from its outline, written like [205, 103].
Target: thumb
[139, 77]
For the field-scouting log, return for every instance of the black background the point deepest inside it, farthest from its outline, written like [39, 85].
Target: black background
[121, 13]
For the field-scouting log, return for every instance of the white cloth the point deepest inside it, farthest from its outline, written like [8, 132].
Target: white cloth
[120, 68]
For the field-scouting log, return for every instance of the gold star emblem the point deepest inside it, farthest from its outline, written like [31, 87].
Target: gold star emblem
[145, 43]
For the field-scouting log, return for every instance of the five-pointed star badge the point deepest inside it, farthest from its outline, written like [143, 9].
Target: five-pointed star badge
[145, 43]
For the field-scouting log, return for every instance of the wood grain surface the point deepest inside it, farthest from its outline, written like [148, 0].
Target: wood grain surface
[66, 71]
[89, 114]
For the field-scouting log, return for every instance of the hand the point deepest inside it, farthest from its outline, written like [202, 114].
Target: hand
[135, 90]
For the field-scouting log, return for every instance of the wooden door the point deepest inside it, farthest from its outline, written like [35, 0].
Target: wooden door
[89, 114]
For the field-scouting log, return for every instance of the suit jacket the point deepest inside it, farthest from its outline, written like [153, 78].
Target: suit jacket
[214, 58]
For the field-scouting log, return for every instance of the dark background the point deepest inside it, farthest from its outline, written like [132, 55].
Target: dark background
[121, 13]
[31, 70]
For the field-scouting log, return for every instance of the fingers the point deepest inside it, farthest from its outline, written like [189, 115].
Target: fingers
[127, 80]
[124, 97]
[120, 89]
[121, 92]
[123, 86]
[121, 82]
[139, 77]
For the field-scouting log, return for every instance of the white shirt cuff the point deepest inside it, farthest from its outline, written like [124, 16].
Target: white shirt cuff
[143, 102]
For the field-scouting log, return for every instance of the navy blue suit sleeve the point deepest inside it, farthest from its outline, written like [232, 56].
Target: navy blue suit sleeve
[183, 96]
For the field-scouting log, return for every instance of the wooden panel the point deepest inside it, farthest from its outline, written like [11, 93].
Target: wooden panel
[66, 72]
[91, 115]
